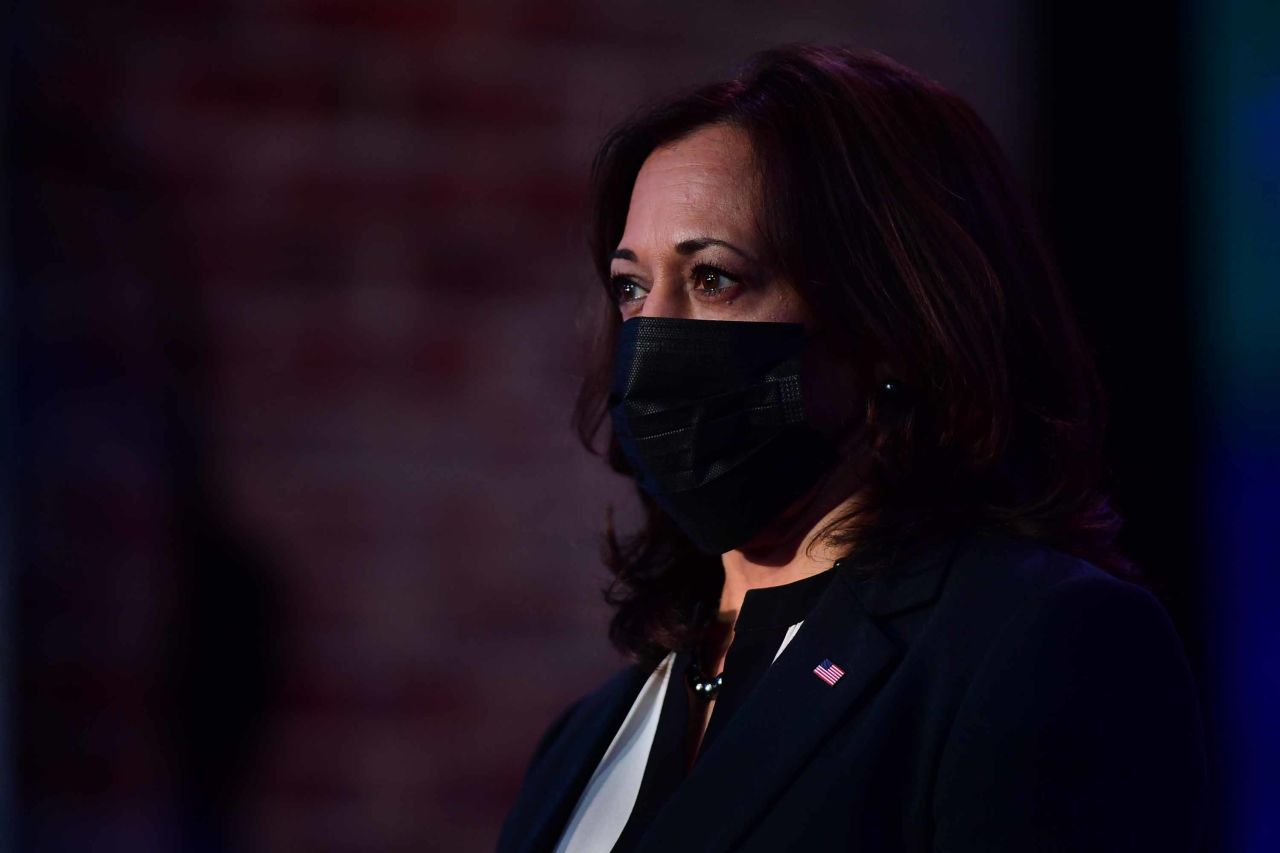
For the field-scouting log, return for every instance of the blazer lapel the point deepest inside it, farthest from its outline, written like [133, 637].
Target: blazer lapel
[787, 716]
[550, 795]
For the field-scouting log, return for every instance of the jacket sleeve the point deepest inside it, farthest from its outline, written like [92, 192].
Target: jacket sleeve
[1080, 731]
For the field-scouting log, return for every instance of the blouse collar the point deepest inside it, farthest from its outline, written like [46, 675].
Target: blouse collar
[783, 605]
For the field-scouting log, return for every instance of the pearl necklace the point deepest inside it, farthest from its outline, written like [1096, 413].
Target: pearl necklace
[704, 688]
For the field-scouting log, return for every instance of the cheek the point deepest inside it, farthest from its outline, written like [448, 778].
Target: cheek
[788, 307]
[832, 399]
[775, 302]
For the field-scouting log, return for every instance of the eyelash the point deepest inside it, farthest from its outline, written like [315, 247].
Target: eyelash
[619, 281]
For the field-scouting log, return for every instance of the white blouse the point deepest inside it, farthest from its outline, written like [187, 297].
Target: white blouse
[606, 803]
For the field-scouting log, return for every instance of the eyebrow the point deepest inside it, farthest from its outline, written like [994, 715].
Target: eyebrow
[688, 247]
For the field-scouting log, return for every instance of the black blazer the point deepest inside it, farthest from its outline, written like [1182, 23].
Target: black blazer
[998, 695]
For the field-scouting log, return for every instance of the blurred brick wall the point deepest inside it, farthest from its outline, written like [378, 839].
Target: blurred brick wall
[370, 214]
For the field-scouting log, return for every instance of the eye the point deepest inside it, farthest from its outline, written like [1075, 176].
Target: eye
[625, 289]
[711, 282]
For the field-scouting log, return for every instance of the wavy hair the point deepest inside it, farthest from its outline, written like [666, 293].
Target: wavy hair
[889, 205]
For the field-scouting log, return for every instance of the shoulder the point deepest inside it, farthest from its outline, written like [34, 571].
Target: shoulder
[614, 691]
[1079, 717]
[1005, 582]
[1002, 562]
[1058, 616]
[565, 749]
[1063, 617]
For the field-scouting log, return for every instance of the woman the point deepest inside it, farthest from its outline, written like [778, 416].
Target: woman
[875, 604]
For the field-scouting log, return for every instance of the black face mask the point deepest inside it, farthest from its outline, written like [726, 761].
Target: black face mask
[710, 416]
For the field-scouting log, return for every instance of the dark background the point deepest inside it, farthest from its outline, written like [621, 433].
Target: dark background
[299, 551]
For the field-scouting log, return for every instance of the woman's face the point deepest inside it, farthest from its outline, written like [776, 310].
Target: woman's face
[690, 247]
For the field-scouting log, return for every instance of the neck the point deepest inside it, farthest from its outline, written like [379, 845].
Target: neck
[765, 563]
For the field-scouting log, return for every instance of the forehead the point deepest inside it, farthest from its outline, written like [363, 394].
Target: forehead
[705, 180]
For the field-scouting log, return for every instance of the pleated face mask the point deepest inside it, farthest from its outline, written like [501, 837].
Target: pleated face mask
[709, 414]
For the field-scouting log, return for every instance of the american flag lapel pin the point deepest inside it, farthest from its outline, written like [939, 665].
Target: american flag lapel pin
[828, 671]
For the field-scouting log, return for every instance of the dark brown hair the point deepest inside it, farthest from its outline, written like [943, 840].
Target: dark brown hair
[888, 204]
